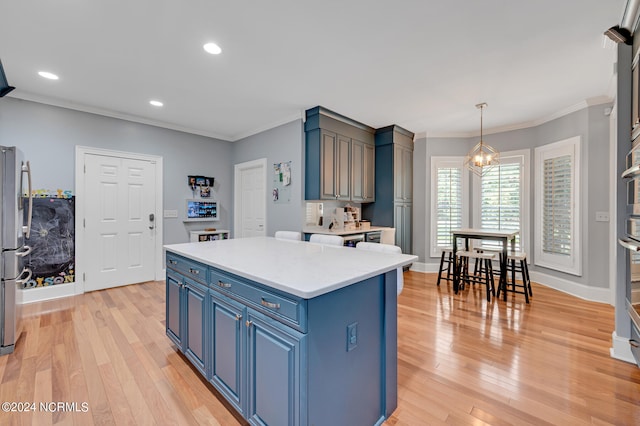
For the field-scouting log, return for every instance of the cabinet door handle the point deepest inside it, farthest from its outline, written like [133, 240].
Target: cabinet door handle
[249, 323]
[173, 262]
[238, 317]
[223, 284]
[633, 343]
[269, 304]
[194, 271]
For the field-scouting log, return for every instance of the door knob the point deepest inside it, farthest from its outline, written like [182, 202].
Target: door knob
[151, 220]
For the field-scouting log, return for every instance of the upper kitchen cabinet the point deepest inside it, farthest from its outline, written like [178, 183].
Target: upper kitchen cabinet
[394, 184]
[339, 158]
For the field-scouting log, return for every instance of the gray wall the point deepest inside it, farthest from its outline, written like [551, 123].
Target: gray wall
[48, 136]
[592, 125]
[280, 144]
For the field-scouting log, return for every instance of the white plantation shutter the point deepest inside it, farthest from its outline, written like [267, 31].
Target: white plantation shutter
[449, 200]
[500, 199]
[557, 240]
[556, 214]
[449, 208]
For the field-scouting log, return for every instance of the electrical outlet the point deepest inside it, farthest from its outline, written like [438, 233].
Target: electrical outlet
[352, 336]
[602, 216]
[171, 213]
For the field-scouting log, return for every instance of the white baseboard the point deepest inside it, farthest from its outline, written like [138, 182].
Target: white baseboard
[424, 267]
[40, 294]
[594, 294]
[621, 349]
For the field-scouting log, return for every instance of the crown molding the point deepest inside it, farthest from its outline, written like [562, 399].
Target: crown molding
[599, 100]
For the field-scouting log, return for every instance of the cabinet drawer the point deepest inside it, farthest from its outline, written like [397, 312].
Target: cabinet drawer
[193, 270]
[285, 308]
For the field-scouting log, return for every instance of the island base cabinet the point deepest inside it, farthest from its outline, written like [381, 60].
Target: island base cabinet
[228, 353]
[195, 317]
[173, 309]
[274, 372]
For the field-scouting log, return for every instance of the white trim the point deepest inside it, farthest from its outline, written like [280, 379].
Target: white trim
[81, 151]
[424, 267]
[572, 264]
[586, 292]
[446, 161]
[523, 157]
[613, 223]
[39, 294]
[237, 191]
[620, 349]
[599, 100]
[150, 122]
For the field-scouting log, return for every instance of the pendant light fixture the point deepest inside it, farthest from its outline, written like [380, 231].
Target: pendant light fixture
[482, 157]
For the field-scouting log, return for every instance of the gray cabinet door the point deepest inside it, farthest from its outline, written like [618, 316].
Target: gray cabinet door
[328, 184]
[343, 168]
[369, 173]
[402, 219]
[173, 308]
[195, 323]
[228, 349]
[274, 354]
[362, 172]
[403, 174]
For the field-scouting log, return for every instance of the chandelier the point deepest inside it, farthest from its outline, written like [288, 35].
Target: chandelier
[482, 157]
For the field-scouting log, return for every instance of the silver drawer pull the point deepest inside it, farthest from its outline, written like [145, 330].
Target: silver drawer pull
[238, 317]
[269, 304]
[223, 284]
[194, 271]
[173, 262]
[628, 245]
[633, 343]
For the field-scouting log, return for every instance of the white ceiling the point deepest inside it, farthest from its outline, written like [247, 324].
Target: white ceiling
[421, 64]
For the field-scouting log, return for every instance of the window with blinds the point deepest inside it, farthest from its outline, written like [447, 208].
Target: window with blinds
[557, 219]
[557, 198]
[500, 198]
[449, 201]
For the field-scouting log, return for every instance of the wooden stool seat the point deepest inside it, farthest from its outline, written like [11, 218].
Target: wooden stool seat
[486, 270]
[517, 263]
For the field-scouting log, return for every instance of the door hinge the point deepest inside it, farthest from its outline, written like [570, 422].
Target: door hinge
[85, 169]
[84, 276]
[84, 223]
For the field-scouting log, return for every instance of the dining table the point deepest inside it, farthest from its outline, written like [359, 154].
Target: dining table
[503, 236]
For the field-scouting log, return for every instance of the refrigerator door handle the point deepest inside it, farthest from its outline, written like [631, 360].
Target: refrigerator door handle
[21, 280]
[23, 251]
[26, 168]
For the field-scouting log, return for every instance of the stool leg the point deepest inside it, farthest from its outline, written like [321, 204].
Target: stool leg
[487, 273]
[449, 266]
[513, 275]
[525, 286]
[526, 269]
[440, 269]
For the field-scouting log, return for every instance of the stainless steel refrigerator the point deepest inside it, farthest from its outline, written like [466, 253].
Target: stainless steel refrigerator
[15, 225]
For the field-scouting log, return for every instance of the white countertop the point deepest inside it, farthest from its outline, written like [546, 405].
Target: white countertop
[326, 231]
[300, 268]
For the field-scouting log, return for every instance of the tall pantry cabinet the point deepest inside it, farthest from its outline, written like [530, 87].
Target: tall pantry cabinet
[394, 184]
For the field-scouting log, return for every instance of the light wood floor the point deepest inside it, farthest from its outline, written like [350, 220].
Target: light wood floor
[461, 361]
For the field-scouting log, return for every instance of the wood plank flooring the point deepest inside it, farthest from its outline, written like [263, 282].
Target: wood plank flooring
[462, 361]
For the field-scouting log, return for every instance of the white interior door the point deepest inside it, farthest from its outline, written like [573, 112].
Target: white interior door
[250, 199]
[119, 231]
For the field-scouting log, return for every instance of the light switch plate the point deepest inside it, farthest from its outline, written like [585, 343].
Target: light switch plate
[602, 216]
[171, 213]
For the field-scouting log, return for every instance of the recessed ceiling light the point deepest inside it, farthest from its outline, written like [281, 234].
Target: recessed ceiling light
[48, 75]
[156, 103]
[212, 48]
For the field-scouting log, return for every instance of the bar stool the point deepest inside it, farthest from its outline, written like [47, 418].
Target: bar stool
[521, 268]
[485, 276]
[446, 258]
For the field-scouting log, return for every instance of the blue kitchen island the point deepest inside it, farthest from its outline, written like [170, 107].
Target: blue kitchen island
[289, 332]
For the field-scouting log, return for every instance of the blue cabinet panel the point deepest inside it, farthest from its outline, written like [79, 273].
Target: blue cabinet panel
[173, 300]
[195, 296]
[227, 343]
[274, 358]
